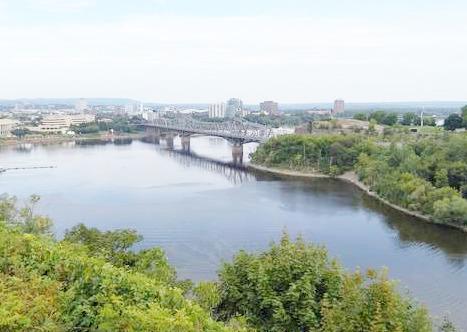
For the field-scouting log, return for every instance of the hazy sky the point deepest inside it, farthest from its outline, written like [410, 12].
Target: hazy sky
[209, 50]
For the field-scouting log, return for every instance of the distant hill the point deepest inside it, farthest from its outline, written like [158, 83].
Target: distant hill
[68, 101]
[448, 105]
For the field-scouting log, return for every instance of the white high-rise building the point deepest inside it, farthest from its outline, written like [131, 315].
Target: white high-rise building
[217, 110]
[81, 105]
[234, 107]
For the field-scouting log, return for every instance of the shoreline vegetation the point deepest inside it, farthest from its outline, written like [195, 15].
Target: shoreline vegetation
[92, 280]
[51, 139]
[349, 177]
[425, 178]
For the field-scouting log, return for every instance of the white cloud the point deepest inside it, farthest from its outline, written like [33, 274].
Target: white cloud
[164, 58]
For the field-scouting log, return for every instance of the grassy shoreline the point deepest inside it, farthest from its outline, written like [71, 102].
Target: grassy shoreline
[351, 177]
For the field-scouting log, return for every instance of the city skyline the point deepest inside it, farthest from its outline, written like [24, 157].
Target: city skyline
[185, 52]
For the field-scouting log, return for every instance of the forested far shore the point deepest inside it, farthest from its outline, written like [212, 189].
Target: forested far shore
[427, 175]
[92, 281]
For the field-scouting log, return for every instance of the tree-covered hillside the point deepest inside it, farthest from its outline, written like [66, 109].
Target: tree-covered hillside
[426, 174]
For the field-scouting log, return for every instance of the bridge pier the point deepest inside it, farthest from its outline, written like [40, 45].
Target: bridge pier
[154, 134]
[185, 140]
[237, 153]
[157, 135]
[169, 139]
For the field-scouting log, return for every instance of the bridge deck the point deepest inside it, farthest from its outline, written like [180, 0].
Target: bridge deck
[232, 130]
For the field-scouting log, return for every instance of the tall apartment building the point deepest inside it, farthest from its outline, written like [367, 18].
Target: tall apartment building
[339, 106]
[217, 110]
[269, 107]
[81, 105]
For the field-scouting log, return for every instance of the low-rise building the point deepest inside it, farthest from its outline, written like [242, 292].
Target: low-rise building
[269, 107]
[6, 126]
[62, 122]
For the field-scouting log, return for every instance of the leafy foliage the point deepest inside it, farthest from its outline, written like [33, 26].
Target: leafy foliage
[114, 246]
[426, 176]
[325, 153]
[85, 128]
[297, 287]
[453, 121]
[50, 286]
[24, 217]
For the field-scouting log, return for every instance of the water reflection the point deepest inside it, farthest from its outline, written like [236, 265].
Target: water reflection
[413, 232]
[236, 174]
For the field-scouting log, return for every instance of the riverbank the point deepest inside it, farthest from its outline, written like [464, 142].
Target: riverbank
[52, 139]
[351, 177]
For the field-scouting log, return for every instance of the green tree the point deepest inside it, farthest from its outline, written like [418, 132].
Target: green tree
[372, 126]
[453, 121]
[464, 115]
[389, 119]
[360, 116]
[441, 178]
[378, 116]
[207, 295]
[86, 128]
[295, 286]
[24, 217]
[20, 132]
[115, 246]
[409, 118]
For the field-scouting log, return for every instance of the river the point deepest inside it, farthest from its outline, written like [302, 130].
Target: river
[202, 212]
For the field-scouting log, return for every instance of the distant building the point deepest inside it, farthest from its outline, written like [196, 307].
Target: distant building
[217, 110]
[131, 109]
[6, 126]
[81, 105]
[339, 106]
[61, 123]
[234, 107]
[315, 111]
[269, 107]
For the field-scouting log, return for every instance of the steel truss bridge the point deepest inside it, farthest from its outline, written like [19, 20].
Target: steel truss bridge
[234, 130]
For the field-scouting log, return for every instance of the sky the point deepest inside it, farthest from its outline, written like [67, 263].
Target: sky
[190, 51]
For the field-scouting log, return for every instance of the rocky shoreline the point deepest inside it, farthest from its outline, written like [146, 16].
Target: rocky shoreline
[352, 178]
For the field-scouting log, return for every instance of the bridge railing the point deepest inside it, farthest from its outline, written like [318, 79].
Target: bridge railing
[233, 129]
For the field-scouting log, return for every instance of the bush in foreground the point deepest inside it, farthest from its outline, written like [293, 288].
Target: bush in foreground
[295, 286]
[91, 282]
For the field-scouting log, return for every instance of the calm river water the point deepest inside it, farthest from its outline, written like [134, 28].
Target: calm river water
[202, 212]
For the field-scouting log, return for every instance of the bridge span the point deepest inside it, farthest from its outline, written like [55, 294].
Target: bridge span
[236, 131]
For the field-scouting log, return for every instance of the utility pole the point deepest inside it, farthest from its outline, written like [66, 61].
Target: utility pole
[421, 117]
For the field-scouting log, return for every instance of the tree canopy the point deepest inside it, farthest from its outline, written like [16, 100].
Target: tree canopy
[296, 287]
[453, 121]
